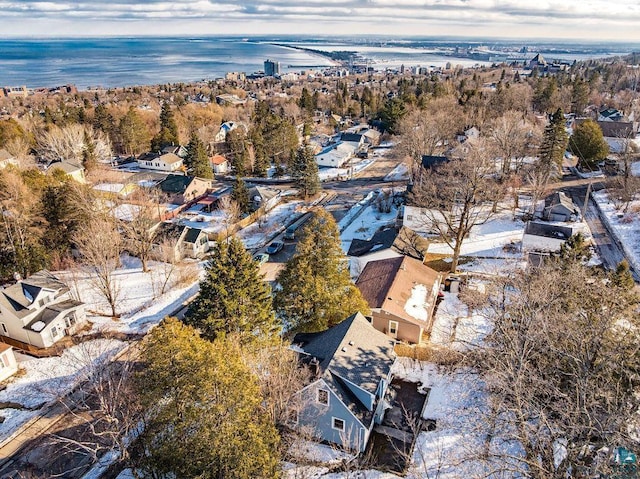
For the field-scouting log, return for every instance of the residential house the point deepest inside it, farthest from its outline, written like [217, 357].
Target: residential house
[185, 241]
[181, 189]
[469, 133]
[402, 294]
[423, 220]
[430, 161]
[38, 312]
[559, 207]
[618, 131]
[166, 162]
[219, 164]
[266, 198]
[351, 365]
[336, 155]
[177, 150]
[72, 170]
[388, 242]
[7, 159]
[8, 363]
[225, 128]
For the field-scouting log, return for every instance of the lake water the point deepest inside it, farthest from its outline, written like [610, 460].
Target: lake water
[113, 62]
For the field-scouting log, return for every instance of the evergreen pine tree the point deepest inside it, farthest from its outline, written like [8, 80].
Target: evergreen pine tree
[240, 194]
[206, 416]
[197, 160]
[168, 134]
[305, 171]
[233, 299]
[588, 143]
[554, 145]
[316, 288]
[622, 277]
[89, 158]
[133, 133]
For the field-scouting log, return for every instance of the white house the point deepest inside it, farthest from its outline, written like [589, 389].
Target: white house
[166, 162]
[8, 364]
[225, 128]
[335, 156]
[38, 311]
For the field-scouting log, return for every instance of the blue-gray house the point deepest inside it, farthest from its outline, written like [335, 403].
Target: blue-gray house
[351, 364]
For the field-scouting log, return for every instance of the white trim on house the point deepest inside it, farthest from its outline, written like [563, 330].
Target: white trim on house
[333, 423]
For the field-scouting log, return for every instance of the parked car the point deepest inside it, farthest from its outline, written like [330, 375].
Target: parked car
[261, 258]
[290, 233]
[274, 247]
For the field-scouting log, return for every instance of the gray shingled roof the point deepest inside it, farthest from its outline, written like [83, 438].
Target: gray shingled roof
[352, 350]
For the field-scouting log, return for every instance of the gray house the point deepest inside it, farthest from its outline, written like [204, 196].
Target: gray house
[352, 365]
[559, 207]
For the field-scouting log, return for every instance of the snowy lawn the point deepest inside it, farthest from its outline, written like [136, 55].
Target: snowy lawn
[489, 239]
[399, 173]
[258, 234]
[625, 226]
[364, 219]
[454, 326]
[140, 300]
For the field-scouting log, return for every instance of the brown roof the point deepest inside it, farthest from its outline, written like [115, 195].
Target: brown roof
[218, 160]
[4, 347]
[387, 284]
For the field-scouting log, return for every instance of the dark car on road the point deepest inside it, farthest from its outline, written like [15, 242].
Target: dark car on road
[274, 247]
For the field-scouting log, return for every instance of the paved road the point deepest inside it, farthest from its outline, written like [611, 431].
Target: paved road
[609, 250]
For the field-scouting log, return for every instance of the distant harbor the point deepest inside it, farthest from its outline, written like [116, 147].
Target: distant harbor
[115, 62]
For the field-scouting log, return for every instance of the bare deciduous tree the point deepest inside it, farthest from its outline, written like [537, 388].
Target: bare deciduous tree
[141, 231]
[458, 195]
[560, 365]
[100, 245]
[429, 131]
[231, 212]
[513, 137]
[69, 143]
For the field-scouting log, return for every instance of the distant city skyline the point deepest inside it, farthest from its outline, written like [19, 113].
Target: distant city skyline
[597, 20]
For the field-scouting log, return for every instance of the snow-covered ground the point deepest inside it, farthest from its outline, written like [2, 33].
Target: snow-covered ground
[364, 219]
[625, 226]
[399, 173]
[455, 327]
[328, 174]
[489, 239]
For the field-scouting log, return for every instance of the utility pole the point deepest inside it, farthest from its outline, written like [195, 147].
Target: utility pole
[586, 200]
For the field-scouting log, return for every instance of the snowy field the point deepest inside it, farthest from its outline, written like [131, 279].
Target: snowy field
[626, 226]
[457, 328]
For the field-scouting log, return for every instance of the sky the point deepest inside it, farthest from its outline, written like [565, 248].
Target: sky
[572, 19]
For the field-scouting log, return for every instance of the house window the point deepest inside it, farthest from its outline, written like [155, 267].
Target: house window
[337, 424]
[393, 327]
[69, 321]
[54, 332]
[4, 329]
[3, 361]
[323, 396]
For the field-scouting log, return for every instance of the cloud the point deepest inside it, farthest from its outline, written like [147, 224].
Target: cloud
[580, 18]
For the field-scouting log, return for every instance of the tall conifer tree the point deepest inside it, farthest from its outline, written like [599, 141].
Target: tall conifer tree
[317, 291]
[233, 299]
